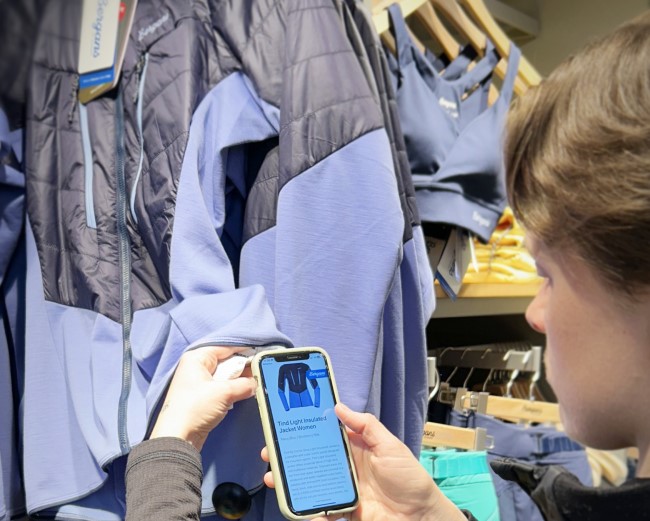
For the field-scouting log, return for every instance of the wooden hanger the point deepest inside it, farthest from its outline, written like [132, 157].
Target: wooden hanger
[434, 25]
[429, 18]
[382, 23]
[454, 14]
[510, 409]
[380, 18]
[380, 15]
[425, 13]
[481, 14]
[503, 407]
[515, 409]
[388, 40]
[441, 435]
[457, 17]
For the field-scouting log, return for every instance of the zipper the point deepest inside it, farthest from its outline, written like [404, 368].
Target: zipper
[125, 277]
[89, 197]
[141, 71]
[73, 98]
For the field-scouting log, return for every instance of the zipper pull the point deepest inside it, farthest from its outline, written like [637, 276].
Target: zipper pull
[138, 72]
[73, 98]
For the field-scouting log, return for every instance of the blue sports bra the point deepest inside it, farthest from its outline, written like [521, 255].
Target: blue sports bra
[475, 102]
[454, 68]
[453, 140]
[450, 69]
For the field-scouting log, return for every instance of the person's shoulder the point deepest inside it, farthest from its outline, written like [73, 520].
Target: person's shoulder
[627, 501]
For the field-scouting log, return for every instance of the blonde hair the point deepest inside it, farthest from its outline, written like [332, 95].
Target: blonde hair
[577, 157]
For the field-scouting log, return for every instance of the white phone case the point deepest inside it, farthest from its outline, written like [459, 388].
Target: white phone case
[267, 427]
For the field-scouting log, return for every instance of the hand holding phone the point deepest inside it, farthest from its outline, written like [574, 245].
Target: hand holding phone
[393, 484]
[308, 446]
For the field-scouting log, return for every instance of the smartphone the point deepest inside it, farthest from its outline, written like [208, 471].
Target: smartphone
[308, 446]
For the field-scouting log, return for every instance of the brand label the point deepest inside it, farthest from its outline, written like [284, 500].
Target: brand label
[451, 107]
[532, 410]
[482, 221]
[152, 28]
[99, 20]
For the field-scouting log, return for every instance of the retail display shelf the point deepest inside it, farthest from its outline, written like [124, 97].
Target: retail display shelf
[485, 299]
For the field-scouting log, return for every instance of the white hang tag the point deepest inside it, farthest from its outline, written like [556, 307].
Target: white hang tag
[446, 270]
[99, 20]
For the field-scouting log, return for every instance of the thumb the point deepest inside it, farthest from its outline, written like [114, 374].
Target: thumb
[365, 424]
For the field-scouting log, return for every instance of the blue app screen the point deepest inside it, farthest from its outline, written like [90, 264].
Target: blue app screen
[309, 438]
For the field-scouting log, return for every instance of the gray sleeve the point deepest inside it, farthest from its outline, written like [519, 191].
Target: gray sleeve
[163, 481]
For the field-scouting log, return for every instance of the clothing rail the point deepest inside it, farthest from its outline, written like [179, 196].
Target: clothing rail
[484, 357]
[511, 409]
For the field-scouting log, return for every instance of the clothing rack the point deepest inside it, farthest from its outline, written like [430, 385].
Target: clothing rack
[527, 75]
[489, 357]
[504, 407]
[380, 15]
[482, 15]
[486, 357]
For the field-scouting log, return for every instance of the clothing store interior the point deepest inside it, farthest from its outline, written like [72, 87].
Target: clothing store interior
[178, 195]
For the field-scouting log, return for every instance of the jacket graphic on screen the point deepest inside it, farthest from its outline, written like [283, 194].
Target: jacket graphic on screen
[296, 375]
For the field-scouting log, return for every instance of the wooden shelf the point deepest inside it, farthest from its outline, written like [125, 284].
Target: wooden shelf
[494, 290]
[485, 299]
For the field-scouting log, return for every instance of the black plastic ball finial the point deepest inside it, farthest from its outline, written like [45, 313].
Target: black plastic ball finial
[231, 500]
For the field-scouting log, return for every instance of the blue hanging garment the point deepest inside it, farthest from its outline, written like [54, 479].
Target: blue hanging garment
[453, 138]
[450, 69]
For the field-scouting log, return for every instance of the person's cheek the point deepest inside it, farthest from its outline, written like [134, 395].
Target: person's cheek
[547, 363]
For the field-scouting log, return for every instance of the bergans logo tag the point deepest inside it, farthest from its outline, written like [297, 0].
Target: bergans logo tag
[152, 28]
[98, 35]
[97, 27]
[451, 107]
[482, 221]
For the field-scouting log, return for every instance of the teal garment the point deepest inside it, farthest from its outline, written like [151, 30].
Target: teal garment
[464, 477]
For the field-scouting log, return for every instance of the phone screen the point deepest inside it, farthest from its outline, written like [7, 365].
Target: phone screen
[308, 436]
